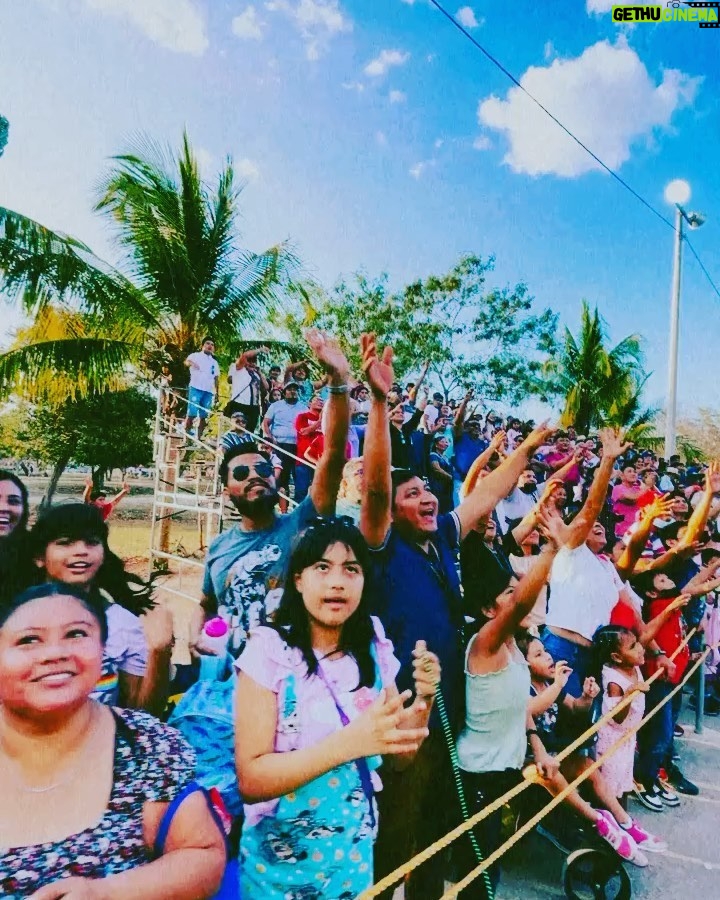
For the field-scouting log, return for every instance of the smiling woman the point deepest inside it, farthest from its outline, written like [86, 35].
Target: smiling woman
[14, 562]
[93, 783]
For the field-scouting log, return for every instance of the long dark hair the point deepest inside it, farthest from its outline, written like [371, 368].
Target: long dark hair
[83, 522]
[6, 475]
[291, 619]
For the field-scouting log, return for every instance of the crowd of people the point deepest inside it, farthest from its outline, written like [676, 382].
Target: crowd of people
[390, 548]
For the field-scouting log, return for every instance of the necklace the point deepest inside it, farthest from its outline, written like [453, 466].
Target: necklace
[74, 770]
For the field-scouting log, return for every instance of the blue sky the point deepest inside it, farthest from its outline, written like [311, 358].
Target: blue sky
[374, 136]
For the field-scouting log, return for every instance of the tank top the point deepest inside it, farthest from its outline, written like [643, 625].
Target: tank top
[496, 703]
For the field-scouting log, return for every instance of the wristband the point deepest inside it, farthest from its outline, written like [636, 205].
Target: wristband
[655, 654]
[531, 731]
[339, 388]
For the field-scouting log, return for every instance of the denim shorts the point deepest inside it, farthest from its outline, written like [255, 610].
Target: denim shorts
[199, 403]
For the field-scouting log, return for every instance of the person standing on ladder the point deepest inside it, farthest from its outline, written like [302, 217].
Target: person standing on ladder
[204, 376]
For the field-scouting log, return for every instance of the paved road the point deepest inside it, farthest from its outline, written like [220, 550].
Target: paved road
[691, 867]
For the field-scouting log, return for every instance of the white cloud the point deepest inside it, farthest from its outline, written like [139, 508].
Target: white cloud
[605, 96]
[482, 142]
[409, 2]
[318, 21]
[466, 17]
[246, 169]
[431, 57]
[599, 6]
[420, 168]
[381, 138]
[178, 25]
[397, 97]
[549, 51]
[384, 61]
[356, 86]
[205, 161]
[248, 25]
[438, 143]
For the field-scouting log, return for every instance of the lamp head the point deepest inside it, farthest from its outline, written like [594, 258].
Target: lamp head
[677, 192]
[695, 220]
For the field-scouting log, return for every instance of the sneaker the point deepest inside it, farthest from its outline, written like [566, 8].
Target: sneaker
[678, 731]
[650, 799]
[676, 778]
[621, 842]
[666, 794]
[644, 839]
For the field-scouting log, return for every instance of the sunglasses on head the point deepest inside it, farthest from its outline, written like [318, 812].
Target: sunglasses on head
[327, 521]
[263, 469]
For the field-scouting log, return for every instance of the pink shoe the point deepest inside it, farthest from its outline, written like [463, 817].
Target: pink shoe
[621, 842]
[644, 839]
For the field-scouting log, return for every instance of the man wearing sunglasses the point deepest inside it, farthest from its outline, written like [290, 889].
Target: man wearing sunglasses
[245, 564]
[417, 593]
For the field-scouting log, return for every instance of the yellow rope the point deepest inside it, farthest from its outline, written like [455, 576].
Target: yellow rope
[531, 823]
[424, 855]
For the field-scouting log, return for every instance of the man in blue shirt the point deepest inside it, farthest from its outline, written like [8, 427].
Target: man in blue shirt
[245, 565]
[469, 443]
[418, 597]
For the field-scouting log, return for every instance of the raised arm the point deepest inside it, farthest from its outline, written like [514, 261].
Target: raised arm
[509, 615]
[498, 484]
[375, 510]
[471, 479]
[613, 447]
[418, 384]
[658, 509]
[87, 490]
[651, 629]
[459, 419]
[328, 474]
[701, 513]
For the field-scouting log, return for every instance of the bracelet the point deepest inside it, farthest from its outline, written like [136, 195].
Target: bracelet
[531, 731]
[654, 654]
[339, 388]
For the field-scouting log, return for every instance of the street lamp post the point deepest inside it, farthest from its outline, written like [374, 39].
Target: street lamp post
[677, 193]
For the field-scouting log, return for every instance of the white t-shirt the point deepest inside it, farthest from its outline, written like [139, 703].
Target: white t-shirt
[583, 591]
[203, 378]
[244, 388]
[430, 416]
[516, 505]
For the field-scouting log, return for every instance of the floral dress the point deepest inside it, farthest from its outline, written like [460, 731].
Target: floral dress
[618, 770]
[315, 843]
[152, 763]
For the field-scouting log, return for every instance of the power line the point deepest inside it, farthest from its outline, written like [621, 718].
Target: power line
[547, 112]
[705, 271]
[461, 28]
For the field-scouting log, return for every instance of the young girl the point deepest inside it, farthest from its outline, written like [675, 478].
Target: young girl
[619, 655]
[320, 683]
[68, 544]
[548, 681]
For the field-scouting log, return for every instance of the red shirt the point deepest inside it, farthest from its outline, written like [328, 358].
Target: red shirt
[669, 639]
[105, 507]
[304, 441]
[318, 445]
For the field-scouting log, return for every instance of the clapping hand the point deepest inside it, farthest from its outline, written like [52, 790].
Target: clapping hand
[377, 731]
[378, 370]
[329, 353]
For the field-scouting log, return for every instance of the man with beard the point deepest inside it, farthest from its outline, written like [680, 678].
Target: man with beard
[417, 596]
[245, 565]
[521, 499]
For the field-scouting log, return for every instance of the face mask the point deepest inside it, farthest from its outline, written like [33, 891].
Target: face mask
[529, 488]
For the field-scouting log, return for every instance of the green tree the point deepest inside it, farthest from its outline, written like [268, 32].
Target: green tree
[105, 432]
[182, 275]
[488, 339]
[601, 385]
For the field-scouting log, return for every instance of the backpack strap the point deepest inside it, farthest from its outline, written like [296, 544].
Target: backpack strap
[164, 829]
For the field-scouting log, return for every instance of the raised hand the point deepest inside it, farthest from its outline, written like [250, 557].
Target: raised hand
[498, 440]
[613, 442]
[680, 602]
[537, 437]
[376, 731]
[551, 525]
[712, 477]
[378, 370]
[562, 673]
[658, 509]
[329, 353]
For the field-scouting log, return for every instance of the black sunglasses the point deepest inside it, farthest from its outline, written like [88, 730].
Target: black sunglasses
[263, 469]
[327, 521]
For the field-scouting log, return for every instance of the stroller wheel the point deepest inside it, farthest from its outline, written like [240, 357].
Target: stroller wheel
[595, 875]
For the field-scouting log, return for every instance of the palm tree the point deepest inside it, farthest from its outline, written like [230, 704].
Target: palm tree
[182, 275]
[601, 386]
